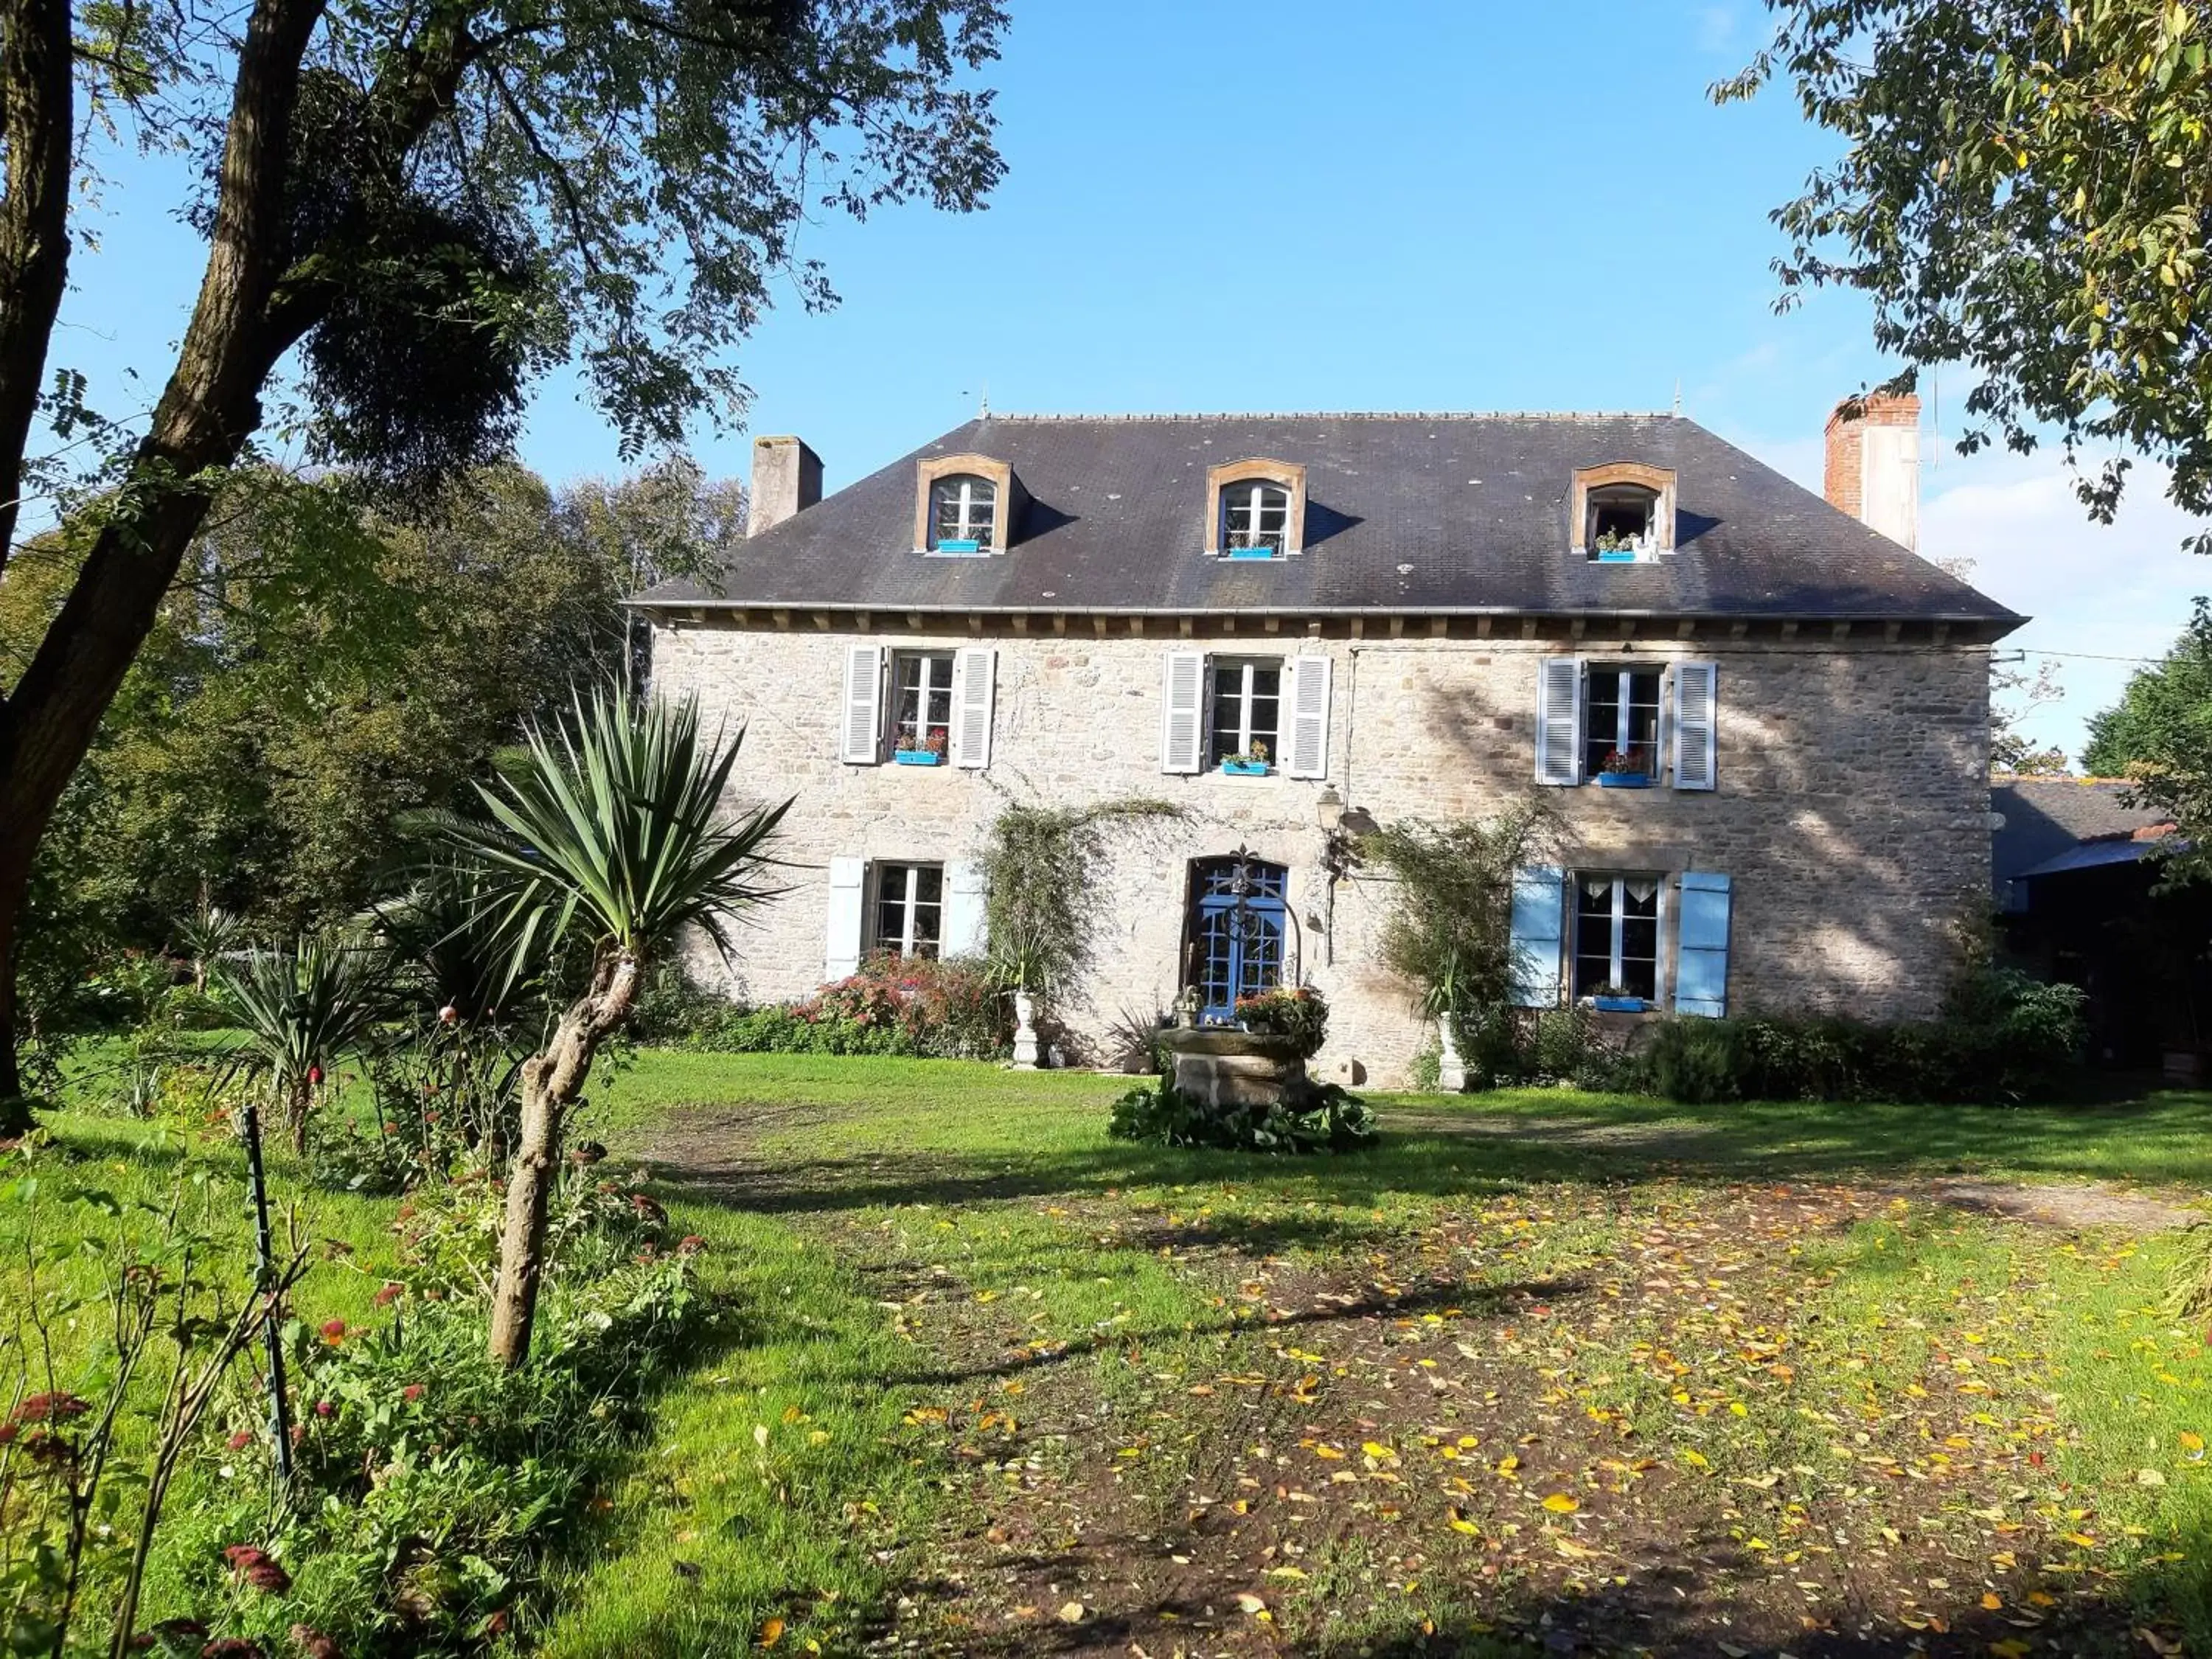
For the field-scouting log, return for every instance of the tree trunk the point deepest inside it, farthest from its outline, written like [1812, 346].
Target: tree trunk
[209, 407]
[551, 1081]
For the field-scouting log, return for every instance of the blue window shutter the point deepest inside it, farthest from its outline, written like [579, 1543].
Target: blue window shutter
[1701, 967]
[1539, 923]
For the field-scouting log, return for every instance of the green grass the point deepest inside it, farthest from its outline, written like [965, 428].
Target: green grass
[910, 1248]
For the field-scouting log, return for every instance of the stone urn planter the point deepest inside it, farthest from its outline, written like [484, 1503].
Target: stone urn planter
[1220, 1066]
[1451, 1065]
[1025, 1036]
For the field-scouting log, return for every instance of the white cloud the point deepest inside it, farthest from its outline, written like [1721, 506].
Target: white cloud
[1716, 28]
[2094, 591]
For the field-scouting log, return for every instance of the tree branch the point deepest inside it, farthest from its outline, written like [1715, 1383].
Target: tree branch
[35, 94]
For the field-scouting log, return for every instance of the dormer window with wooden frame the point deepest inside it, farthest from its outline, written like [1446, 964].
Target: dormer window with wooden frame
[965, 507]
[1623, 513]
[1257, 509]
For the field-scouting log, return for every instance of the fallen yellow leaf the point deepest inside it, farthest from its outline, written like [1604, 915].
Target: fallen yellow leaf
[771, 1632]
[1070, 1613]
[1250, 1604]
[1559, 1503]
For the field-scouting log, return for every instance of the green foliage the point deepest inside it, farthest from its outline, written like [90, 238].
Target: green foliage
[432, 1483]
[1298, 1011]
[1450, 930]
[303, 1009]
[614, 831]
[2002, 1037]
[1046, 873]
[2023, 189]
[2163, 720]
[917, 1007]
[2160, 735]
[1325, 1119]
[323, 673]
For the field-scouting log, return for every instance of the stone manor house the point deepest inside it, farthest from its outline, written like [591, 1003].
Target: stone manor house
[1763, 719]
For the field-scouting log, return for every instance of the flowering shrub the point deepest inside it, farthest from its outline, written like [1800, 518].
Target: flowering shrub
[892, 1005]
[1291, 1011]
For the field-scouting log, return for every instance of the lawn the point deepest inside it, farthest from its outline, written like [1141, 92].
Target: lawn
[1544, 1370]
[1544, 1367]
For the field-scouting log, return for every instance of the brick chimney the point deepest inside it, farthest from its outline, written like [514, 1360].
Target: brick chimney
[1874, 466]
[787, 479]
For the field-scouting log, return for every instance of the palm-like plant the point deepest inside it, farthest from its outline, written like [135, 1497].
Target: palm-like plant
[303, 1009]
[446, 935]
[206, 935]
[612, 829]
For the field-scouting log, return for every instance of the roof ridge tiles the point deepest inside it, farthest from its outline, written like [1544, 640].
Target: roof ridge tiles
[1194, 416]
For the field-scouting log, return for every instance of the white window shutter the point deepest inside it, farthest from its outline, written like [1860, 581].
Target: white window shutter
[974, 671]
[1182, 711]
[860, 729]
[1559, 720]
[963, 933]
[840, 952]
[1306, 756]
[1696, 713]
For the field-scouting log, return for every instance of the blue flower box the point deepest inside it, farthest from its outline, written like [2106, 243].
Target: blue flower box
[1619, 555]
[955, 545]
[918, 757]
[1251, 552]
[1624, 780]
[1619, 1005]
[1244, 768]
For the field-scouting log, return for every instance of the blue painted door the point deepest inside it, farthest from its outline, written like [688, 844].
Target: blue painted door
[1240, 947]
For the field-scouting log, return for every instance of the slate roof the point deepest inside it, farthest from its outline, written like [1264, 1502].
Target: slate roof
[2044, 819]
[1408, 513]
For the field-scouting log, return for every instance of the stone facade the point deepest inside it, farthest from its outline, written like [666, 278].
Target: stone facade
[1850, 811]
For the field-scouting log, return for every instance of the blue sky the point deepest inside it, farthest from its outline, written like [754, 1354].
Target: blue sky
[1273, 204]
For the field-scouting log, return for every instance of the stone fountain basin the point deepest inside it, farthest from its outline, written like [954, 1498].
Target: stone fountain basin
[1218, 1067]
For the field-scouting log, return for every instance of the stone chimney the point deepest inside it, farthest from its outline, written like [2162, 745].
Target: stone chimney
[787, 479]
[1874, 466]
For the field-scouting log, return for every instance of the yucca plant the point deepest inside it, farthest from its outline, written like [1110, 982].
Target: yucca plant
[206, 935]
[610, 830]
[447, 936]
[303, 1009]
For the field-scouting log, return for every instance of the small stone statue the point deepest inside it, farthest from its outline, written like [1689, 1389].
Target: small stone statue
[1185, 1009]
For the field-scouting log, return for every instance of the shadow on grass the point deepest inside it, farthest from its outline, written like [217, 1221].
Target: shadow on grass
[1499, 1299]
[1445, 1150]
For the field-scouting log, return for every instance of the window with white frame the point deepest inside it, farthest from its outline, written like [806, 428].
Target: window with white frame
[1248, 702]
[921, 716]
[963, 513]
[909, 910]
[1616, 937]
[1620, 720]
[1255, 518]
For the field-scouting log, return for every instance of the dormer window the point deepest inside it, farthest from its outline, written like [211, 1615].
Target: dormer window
[1256, 509]
[1254, 520]
[1621, 521]
[963, 514]
[1623, 513]
[965, 507]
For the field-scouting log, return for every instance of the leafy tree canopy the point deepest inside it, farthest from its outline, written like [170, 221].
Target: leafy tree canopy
[2025, 190]
[318, 675]
[2160, 730]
